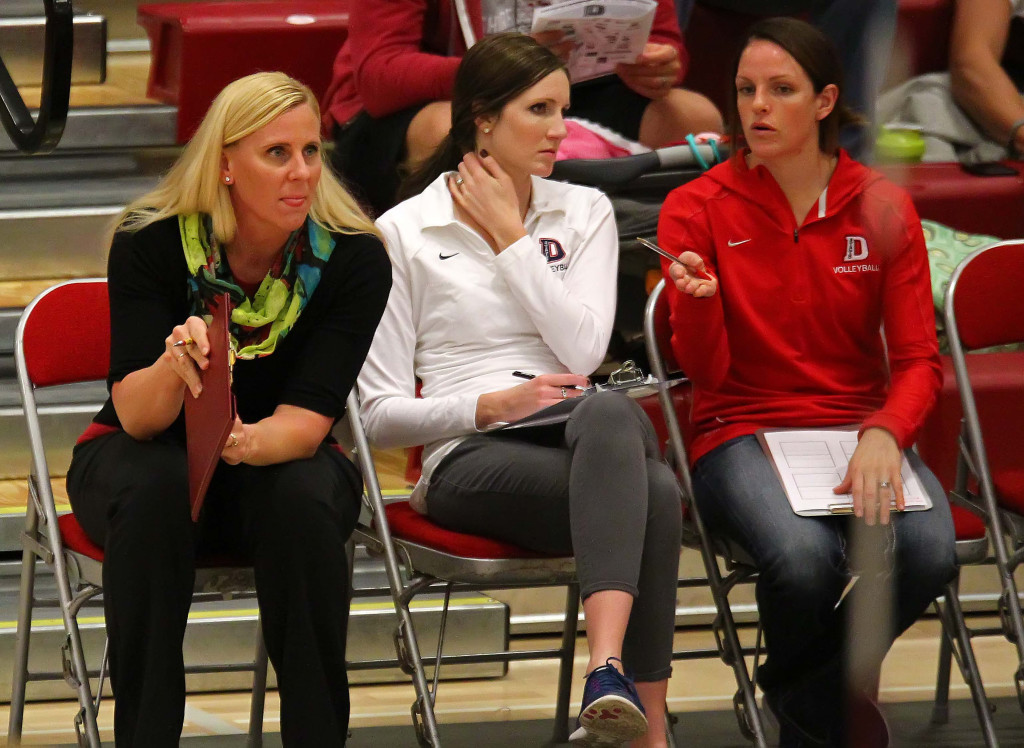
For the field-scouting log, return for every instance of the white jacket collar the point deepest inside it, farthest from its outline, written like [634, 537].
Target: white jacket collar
[438, 208]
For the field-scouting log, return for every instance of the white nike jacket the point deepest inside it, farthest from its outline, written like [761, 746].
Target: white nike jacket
[461, 319]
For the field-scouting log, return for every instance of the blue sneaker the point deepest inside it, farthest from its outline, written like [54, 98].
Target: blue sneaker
[611, 713]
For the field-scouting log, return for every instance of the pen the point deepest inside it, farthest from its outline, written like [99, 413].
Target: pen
[186, 341]
[848, 508]
[524, 375]
[703, 274]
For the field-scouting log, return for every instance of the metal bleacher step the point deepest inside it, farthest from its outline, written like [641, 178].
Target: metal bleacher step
[65, 412]
[224, 632]
[22, 37]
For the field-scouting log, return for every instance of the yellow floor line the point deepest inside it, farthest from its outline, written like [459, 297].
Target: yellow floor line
[205, 615]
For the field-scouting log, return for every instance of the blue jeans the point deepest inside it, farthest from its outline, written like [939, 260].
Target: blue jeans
[803, 561]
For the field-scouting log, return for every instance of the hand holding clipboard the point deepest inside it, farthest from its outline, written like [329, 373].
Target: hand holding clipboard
[210, 416]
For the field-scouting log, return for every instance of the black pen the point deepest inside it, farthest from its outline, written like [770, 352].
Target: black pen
[524, 375]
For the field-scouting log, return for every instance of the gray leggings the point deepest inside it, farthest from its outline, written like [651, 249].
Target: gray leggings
[595, 486]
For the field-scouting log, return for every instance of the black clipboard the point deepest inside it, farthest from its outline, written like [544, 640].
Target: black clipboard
[210, 417]
[560, 411]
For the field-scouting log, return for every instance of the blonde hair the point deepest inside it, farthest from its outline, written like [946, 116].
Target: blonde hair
[193, 184]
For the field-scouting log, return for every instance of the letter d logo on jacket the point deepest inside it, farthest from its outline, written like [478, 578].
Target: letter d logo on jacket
[552, 249]
[856, 248]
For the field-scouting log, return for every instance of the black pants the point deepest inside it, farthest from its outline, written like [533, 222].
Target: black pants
[291, 520]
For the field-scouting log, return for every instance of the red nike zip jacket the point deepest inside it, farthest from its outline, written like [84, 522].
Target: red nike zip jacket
[806, 315]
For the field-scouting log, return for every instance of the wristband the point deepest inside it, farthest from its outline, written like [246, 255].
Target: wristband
[1011, 149]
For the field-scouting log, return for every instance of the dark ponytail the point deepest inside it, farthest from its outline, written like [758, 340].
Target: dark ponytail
[493, 71]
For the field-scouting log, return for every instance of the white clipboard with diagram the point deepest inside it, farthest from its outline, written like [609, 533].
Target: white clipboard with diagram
[811, 462]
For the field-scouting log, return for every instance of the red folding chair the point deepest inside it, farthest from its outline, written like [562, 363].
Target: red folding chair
[738, 567]
[64, 338]
[984, 307]
[435, 559]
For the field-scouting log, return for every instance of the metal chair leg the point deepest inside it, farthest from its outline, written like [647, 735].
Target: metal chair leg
[75, 671]
[407, 647]
[259, 690]
[940, 709]
[744, 702]
[19, 676]
[969, 666]
[104, 664]
[565, 662]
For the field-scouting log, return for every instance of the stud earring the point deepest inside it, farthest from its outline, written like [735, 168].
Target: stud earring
[487, 131]
[227, 180]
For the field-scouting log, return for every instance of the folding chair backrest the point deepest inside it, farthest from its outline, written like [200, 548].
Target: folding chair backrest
[658, 342]
[985, 298]
[985, 307]
[64, 335]
[660, 326]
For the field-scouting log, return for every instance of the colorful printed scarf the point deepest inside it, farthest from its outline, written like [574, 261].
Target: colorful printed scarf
[256, 326]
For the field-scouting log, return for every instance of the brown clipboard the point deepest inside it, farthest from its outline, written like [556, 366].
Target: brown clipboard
[209, 417]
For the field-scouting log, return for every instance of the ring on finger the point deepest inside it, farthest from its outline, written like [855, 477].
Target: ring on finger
[564, 393]
[884, 484]
[234, 439]
[459, 181]
[181, 355]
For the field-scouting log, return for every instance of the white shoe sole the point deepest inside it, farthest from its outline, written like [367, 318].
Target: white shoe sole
[609, 720]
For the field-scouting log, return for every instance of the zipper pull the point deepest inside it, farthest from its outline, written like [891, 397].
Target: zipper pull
[796, 236]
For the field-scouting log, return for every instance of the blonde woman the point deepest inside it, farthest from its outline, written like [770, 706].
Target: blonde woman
[248, 209]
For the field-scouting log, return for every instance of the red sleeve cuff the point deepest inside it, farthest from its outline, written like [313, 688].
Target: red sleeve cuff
[890, 423]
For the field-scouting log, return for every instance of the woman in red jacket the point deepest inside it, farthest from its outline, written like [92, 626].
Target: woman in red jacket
[811, 256]
[389, 102]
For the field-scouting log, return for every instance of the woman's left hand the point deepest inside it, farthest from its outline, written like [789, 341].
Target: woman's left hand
[873, 476]
[237, 447]
[654, 72]
[486, 194]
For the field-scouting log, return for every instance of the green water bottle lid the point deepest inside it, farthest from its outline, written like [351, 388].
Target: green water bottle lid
[899, 144]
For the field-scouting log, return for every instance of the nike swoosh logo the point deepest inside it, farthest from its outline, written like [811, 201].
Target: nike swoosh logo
[442, 256]
[736, 244]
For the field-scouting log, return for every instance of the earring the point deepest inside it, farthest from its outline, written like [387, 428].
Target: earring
[227, 180]
[487, 131]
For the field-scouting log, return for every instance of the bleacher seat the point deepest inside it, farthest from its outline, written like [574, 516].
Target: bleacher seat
[198, 48]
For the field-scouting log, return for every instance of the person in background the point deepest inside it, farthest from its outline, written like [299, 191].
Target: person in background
[863, 33]
[811, 255]
[499, 273]
[389, 103]
[980, 84]
[248, 209]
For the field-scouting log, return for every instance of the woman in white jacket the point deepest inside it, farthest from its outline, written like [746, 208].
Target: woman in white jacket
[498, 271]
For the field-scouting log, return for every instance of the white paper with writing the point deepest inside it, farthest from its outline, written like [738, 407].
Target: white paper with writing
[607, 32]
